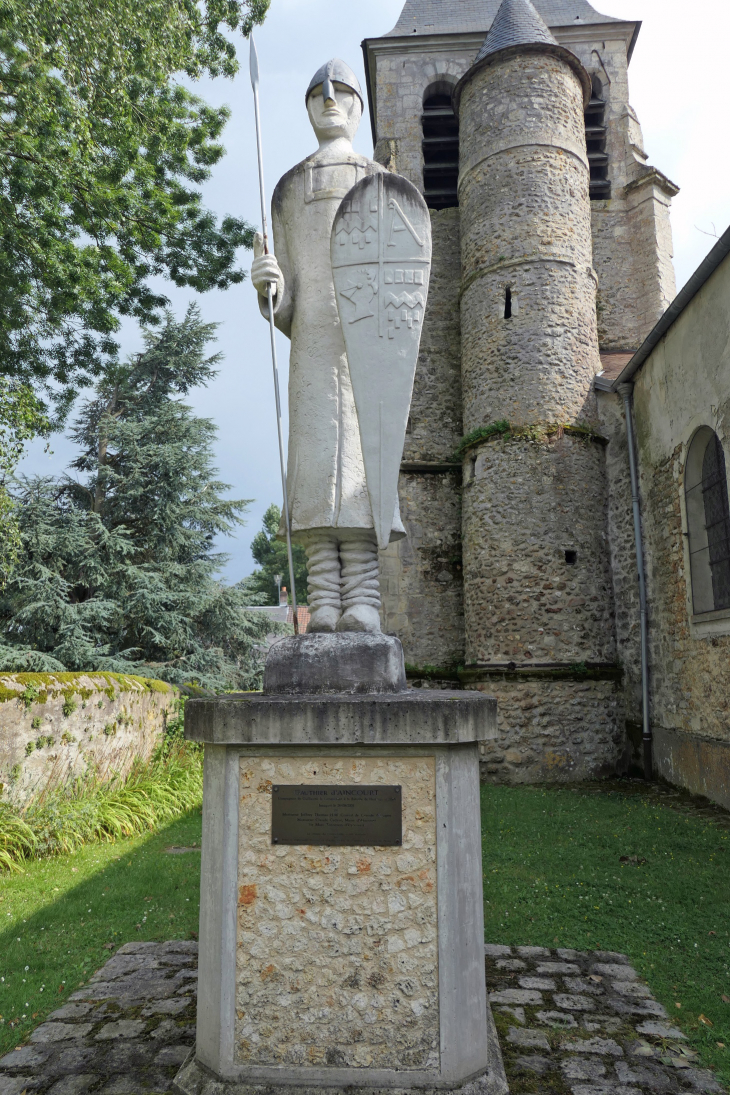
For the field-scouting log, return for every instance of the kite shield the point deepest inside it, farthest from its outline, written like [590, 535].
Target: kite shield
[381, 262]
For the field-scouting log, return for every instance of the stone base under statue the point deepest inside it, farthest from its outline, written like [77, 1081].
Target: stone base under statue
[340, 965]
[348, 662]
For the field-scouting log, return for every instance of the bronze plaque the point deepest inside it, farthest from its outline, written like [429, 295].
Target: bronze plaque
[345, 815]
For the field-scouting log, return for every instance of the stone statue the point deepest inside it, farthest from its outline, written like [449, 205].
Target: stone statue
[329, 504]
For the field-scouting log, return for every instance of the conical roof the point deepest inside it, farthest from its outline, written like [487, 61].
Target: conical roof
[517, 26]
[517, 23]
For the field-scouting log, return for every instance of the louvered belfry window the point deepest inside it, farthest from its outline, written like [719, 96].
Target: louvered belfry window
[595, 117]
[440, 148]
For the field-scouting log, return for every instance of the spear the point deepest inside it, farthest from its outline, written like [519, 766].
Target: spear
[254, 64]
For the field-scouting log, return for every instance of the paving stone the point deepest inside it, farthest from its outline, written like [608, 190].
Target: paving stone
[557, 967]
[59, 1032]
[572, 1002]
[126, 1054]
[70, 1059]
[533, 1038]
[604, 1046]
[604, 1089]
[611, 956]
[702, 1080]
[168, 1031]
[533, 952]
[74, 1085]
[540, 1065]
[515, 996]
[16, 1085]
[24, 1057]
[543, 984]
[654, 1077]
[622, 1006]
[582, 1068]
[516, 1013]
[123, 1028]
[560, 1019]
[631, 988]
[569, 955]
[510, 964]
[661, 1030]
[608, 1023]
[165, 1007]
[495, 950]
[172, 1055]
[71, 1011]
[181, 946]
[139, 948]
[614, 971]
[582, 984]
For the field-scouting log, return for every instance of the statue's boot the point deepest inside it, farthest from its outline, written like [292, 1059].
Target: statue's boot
[323, 562]
[360, 583]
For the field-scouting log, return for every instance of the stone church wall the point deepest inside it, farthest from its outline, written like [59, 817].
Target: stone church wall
[632, 238]
[624, 574]
[421, 576]
[685, 384]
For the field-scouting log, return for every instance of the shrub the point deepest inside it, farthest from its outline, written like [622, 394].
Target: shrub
[89, 810]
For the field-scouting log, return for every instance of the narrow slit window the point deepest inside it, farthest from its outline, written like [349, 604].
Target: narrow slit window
[508, 303]
[571, 557]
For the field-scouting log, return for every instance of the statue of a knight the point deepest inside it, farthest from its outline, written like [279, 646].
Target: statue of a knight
[330, 506]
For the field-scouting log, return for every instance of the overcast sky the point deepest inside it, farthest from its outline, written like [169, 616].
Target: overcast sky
[678, 87]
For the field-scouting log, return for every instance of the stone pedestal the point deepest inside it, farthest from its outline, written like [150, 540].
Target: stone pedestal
[333, 967]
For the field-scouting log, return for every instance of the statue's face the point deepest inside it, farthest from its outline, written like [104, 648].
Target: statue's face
[338, 117]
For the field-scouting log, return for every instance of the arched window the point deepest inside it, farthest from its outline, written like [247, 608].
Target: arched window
[440, 147]
[708, 522]
[600, 187]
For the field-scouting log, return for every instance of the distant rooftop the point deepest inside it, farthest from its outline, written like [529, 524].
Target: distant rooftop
[464, 16]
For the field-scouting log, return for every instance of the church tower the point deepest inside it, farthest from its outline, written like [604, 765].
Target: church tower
[537, 583]
[551, 245]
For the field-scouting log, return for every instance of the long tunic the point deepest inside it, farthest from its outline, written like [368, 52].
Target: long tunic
[326, 483]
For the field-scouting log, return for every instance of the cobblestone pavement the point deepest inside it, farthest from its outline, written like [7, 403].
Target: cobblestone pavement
[569, 1022]
[125, 1033]
[582, 1023]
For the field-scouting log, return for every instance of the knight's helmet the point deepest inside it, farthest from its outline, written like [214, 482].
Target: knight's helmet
[335, 71]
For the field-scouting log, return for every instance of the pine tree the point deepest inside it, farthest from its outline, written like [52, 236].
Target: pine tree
[271, 555]
[118, 565]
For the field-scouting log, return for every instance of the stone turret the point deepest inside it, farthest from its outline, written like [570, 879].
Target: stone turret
[537, 587]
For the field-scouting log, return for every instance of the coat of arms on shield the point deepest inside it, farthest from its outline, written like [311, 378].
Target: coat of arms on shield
[381, 262]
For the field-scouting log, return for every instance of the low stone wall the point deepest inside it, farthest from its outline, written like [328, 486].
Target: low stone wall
[54, 726]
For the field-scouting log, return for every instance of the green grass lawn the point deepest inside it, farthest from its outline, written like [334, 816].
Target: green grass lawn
[553, 877]
[58, 918]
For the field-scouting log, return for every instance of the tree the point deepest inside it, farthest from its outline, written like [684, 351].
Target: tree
[21, 418]
[118, 566]
[103, 148]
[271, 555]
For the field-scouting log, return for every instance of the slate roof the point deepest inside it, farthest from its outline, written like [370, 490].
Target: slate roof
[517, 23]
[464, 16]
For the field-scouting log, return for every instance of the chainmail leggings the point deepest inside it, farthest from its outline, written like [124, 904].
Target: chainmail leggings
[342, 572]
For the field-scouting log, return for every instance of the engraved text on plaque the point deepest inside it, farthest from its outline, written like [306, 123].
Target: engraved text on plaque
[334, 814]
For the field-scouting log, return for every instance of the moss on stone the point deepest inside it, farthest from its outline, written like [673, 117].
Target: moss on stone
[538, 431]
[35, 687]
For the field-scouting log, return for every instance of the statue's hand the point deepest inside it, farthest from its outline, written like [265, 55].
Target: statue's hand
[265, 270]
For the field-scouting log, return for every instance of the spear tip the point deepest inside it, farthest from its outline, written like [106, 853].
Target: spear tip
[254, 64]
